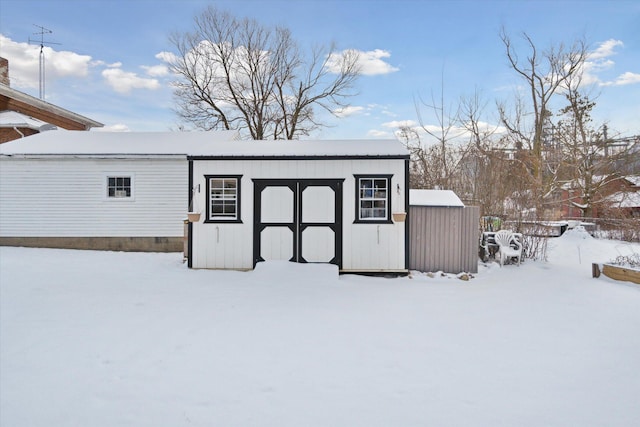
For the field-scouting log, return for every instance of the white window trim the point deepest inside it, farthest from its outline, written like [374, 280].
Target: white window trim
[105, 186]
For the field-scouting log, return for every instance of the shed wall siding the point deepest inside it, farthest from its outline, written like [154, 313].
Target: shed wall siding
[444, 239]
[57, 197]
[366, 247]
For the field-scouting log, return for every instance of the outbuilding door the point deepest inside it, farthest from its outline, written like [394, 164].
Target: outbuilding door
[298, 220]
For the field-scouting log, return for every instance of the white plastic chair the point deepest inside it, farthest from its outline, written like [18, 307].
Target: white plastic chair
[509, 246]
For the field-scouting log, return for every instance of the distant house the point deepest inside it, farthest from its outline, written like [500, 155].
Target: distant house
[614, 192]
[24, 115]
[626, 202]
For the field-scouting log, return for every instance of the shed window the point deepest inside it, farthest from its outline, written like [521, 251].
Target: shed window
[118, 186]
[373, 198]
[223, 198]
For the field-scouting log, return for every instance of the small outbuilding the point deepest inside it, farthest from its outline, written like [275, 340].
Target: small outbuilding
[99, 190]
[340, 202]
[444, 232]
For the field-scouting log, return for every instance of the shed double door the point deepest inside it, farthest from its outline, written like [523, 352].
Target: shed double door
[298, 220]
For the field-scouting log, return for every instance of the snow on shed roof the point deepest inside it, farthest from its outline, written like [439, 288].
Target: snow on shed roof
[197, 145]
[440, 198]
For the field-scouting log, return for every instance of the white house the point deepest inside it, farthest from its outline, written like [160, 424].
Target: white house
[303, 201]
[98, 190]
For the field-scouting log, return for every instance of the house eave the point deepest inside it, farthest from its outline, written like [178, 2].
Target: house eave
[46, 106]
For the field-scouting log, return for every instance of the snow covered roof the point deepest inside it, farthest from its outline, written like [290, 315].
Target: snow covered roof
[624, 199]
[633, 179]
[196, 145]
[13, 119]
[440, 198]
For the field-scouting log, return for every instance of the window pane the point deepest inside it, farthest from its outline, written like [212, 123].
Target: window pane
[119, 186]
[223, 197]
[373, 198]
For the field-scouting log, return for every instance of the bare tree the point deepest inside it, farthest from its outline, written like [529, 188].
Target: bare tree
[588, 162]
[237, 74]
[544, 73]
[487, 166]
[443, 132]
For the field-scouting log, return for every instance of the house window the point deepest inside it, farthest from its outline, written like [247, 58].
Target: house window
[119, 187]
[223, 198]
[373, 198]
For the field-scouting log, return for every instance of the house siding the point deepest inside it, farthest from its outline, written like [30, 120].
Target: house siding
[366, 247]
[66, 197]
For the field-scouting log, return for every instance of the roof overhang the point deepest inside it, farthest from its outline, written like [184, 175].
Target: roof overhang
[45, 106]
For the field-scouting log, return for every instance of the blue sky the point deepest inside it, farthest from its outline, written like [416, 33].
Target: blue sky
[107, 65]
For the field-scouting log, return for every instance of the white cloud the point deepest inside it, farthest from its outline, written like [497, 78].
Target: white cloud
[599, 62]
[395, 124]
[373, 133]
[348, 111]
[605, 49]
[627, 78]
[371, 62]
[119, 127]
[168, 57]
[156, 70]
[123, 82]
[24, 63]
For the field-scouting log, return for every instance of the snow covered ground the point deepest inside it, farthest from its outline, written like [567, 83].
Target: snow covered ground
[134, 339]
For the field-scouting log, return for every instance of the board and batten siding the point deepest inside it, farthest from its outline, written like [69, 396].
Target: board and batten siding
[66, 197]
[444, 239]
[366, 247]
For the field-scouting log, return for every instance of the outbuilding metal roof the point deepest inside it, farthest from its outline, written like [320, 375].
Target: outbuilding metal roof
[194, 145]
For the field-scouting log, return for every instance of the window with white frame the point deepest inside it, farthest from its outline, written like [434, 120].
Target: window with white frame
[119, 187]
[223, 198]
[373, 198]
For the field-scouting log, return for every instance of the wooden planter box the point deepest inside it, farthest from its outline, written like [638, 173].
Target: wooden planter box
[617, 272]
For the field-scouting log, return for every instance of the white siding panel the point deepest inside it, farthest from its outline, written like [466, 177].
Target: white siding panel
[277, 205]
[276, 243]
[318, 204]
[318, 244]
[56, 197]
[366, 247]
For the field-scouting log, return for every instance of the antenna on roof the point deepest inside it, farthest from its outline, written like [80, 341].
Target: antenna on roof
[42, 42]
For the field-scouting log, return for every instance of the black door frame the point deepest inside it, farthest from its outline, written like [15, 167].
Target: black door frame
[297, 226]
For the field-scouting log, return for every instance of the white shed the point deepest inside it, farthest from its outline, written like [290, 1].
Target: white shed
[303, 201]
[98, 190]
